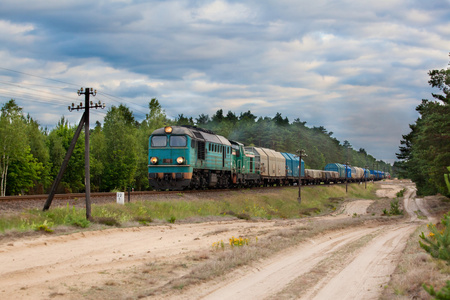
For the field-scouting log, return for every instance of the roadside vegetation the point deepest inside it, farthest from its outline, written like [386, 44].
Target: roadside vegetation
[244, 204]
[419, 275]
[437, 244]
[423, 271]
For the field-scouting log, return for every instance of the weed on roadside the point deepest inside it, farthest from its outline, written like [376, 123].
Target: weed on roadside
[110, 221]
[401, 193]
[44, 227]
[395, 209]
[143, 220]
[77, 221]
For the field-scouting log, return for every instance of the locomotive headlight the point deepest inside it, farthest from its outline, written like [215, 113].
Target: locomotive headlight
[180, 160]
[154, 160]
[168, 129]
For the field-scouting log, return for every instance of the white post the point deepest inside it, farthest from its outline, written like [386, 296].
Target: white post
[120, 198]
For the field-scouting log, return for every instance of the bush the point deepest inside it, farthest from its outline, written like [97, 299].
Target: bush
[443, 294]
[401, 193]
[395, 209]
[437, 243]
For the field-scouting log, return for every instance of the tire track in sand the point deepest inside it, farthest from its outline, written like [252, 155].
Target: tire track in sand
[282, 269]
[370, 270]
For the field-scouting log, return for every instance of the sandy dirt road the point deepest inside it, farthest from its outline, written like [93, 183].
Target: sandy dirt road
[62, 267]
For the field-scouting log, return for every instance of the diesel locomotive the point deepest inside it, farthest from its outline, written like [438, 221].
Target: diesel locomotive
[188, 157]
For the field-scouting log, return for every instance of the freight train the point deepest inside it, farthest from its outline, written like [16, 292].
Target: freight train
[188, 157]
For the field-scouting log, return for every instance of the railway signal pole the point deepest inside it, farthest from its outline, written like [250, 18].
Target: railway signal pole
[373, 179]
[84, 121]
[365, 177]
[300, 154]
[346, 176]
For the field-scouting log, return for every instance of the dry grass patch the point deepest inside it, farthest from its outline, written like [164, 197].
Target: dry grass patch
[437, 205]
[415, 268]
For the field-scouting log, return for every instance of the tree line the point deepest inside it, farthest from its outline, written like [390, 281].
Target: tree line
[425, 151]
[31, 156]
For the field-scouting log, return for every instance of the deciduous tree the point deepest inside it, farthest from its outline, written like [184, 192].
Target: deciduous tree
[13, 139]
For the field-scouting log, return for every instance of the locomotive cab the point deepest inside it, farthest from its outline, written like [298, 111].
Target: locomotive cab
[170, 154]
[183, 157]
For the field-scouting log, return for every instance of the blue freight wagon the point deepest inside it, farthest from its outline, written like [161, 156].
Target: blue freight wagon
[292, 162]
[341, 169]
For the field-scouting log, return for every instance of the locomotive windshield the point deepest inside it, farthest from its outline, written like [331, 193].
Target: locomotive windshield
[159, 141]
[178, 141]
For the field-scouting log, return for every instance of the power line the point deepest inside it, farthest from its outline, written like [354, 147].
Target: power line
[122, 101]
[31, 99]
[39, 76]
[54, 97]
[33, 84]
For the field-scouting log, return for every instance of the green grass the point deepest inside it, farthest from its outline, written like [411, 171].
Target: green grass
[277, 203]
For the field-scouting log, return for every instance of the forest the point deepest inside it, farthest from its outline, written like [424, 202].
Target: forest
[425, 151]
[31, 156]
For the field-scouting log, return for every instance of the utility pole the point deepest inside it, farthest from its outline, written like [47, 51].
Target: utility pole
[373, 179]
[87, 167]
[300, 154]
[365, 177]
[84, 120]
[346, 176]
[378, 174]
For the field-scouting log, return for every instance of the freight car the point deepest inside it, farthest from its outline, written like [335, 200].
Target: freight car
[187, 157]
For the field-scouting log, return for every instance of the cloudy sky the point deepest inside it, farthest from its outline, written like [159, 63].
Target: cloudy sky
[358, 68]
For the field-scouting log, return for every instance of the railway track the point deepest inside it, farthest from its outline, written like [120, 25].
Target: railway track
[136, 193]
[20, 203]
[108, 194]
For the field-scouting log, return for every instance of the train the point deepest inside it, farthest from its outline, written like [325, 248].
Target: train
[189, 157]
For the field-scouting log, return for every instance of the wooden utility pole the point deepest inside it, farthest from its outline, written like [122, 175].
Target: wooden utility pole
[84, 121]
[87, 167]
[300, 154]
[365, 177]
[346, 176]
